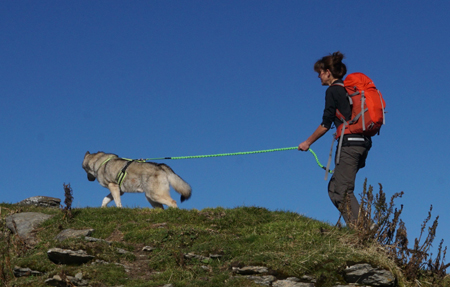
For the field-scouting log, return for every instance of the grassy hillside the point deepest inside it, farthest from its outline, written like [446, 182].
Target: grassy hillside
[287, 243]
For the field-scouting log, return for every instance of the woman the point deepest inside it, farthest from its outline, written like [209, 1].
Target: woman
[353, 155]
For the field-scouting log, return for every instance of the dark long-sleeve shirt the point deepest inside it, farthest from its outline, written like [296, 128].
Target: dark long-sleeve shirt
[335, 98]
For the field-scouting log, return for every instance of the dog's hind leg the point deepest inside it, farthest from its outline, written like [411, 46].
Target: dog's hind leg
[158, 193]
[158, 200]
[115, 193]
[154, 203]
[168, 201]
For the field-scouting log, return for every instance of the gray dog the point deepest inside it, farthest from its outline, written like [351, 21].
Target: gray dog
[122, 175]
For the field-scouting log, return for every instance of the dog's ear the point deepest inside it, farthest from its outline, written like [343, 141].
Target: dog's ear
[87, 153]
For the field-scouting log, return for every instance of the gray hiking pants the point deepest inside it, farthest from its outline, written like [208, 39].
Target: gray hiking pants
[342, 183]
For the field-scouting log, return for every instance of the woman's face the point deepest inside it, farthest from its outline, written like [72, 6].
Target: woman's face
[326, 78]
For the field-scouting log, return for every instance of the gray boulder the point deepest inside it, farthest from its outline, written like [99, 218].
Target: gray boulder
[365, 274]
[24, 224]
[42, 201]
[67, 256]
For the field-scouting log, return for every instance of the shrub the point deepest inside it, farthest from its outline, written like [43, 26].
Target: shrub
[379, 222]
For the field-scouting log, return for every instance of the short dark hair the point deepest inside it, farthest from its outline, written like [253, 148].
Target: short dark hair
[333, 63]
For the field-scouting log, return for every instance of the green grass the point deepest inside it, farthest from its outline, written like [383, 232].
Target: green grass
[287, 243]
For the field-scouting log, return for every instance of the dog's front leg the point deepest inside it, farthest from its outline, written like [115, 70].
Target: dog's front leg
[107, 200]
[115, 192]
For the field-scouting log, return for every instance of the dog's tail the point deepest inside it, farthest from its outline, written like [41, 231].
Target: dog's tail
[177, 183]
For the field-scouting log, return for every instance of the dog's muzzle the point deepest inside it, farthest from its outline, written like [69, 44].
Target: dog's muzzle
[90, 177]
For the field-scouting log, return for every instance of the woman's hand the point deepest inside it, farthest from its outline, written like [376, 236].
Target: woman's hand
[304, 146]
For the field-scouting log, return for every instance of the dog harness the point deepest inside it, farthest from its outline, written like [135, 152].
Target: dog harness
[123, 173]
[108, 159]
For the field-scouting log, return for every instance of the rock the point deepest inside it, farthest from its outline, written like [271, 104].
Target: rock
[359, 274]
[22, 272]
[43, 201]
[148, 248]
[191, 255]
[67, 281]
[251, 270]
[72, 233]
[57, 281]
[23, 224]
[123, 251]
[103, 262]
[365, 274]
[66, 256]
[92, 239]
[79, 281]
[308, 278]
[206, 268]
[215, 256]
[265, 280]
[202, 258]
[291, 283]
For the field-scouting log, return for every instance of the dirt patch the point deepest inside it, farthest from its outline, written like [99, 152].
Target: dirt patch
[116, 236]
[139, 269]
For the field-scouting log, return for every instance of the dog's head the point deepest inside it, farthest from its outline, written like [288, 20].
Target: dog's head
[88, 166]
[93, 162]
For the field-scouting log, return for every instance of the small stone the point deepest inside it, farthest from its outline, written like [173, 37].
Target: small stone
[122, 251]
[92, 239]
[72, 233]
[148, 248]
[250, 270]
[265, 280]
[22, 272]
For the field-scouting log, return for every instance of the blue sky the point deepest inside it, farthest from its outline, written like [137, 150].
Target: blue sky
[145, 79]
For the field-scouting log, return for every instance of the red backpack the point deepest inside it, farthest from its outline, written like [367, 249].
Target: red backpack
[367, 110]
[367, 107]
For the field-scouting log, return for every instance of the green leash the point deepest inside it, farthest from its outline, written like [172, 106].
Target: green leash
[238, 153]
[318, 162]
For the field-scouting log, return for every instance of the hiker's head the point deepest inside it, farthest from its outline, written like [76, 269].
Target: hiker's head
[331, 64]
